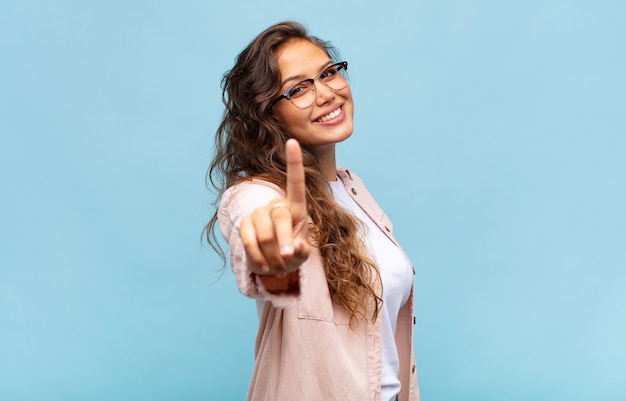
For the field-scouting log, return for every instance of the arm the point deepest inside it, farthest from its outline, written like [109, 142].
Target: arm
[267, 232]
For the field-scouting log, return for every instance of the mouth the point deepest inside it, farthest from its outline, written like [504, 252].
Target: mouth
[333, 114]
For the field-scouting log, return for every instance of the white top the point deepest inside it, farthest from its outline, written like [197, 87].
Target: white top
[397, 278]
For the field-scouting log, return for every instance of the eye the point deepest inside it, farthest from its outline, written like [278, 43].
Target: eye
[330, 72]
[299, 89]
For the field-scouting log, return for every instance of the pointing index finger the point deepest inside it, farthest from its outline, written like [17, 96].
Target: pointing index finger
[296, 191]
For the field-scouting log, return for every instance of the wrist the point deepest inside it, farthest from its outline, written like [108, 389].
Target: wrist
[289, 284]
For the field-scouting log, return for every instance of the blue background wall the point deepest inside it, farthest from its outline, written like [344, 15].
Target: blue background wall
[493, 134]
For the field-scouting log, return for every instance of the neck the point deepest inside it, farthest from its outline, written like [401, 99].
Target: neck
[328, 162]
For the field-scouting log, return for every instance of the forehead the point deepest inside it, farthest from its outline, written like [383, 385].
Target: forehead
[300, 57]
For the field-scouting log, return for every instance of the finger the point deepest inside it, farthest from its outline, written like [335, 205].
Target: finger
[265, 229]
[296, 191]
[301, 253]
[301, 249]
[283, 227]
[251, 245]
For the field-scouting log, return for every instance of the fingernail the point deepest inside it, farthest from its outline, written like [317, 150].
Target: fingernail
[286, 250]
[265, 269]
[281, 274]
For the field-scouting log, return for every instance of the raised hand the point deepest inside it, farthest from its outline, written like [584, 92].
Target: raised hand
[275, 235]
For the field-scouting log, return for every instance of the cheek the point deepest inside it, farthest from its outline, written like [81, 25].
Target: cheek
[348, 94]
[292, 117]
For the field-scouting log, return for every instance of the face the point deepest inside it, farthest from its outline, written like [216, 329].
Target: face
[329, 119]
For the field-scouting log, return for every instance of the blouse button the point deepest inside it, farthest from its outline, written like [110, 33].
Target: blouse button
[354, 191]
[413, 369]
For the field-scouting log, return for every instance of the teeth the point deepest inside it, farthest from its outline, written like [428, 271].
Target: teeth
[330, 115]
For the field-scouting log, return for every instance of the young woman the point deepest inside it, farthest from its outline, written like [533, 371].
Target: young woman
[334, 290]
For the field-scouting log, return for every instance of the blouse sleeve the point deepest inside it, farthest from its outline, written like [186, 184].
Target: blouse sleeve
[238, 202]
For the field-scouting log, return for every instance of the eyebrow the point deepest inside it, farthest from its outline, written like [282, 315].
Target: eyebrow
[300, 76]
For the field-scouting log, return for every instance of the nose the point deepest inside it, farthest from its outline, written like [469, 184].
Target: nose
[323, 93]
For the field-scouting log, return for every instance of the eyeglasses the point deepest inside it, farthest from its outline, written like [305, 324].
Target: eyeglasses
[302, 94]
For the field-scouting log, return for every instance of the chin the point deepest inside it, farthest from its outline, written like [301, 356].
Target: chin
[346, 136]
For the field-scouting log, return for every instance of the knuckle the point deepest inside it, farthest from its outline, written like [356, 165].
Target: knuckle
[257, 213]
[247, 243]
[280, 212]
[265, 239]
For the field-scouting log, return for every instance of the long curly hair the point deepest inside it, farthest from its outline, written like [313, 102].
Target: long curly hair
[250, 143]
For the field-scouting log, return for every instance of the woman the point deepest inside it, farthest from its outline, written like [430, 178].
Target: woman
[334, 291]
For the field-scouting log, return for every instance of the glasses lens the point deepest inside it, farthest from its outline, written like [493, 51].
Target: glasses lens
[336, 76]
[302, 95]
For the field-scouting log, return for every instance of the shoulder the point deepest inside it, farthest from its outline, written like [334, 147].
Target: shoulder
[356, 188]
[345, 173]
[352, 182]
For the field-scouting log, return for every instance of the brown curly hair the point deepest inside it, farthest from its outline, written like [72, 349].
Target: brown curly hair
[250, 143]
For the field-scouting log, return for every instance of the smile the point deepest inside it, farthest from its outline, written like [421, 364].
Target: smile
[333, 114]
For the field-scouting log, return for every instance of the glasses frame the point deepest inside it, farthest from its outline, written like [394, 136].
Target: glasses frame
[286, 95]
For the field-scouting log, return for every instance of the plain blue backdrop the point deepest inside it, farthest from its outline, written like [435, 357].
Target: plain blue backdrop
[493, 133]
